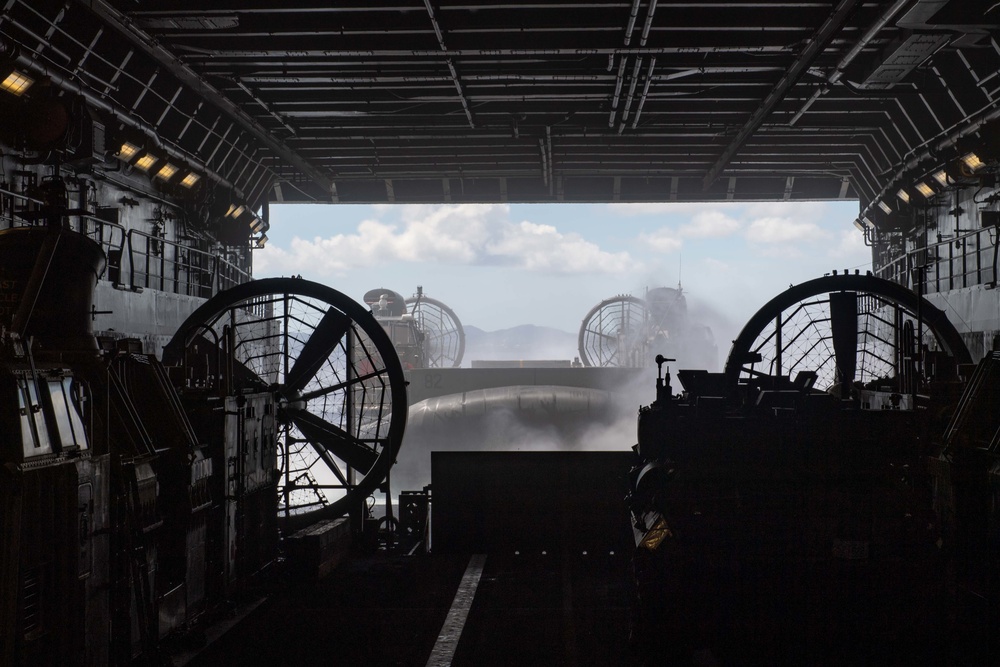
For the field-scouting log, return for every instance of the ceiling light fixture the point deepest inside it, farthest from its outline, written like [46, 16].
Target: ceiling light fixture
[146, 162]
[885, 207]
[190, 180]
[904, 195]
[166, 172]
[127, 151]
[943, 178]
[924, 189]
[17, 83]
[972, 161]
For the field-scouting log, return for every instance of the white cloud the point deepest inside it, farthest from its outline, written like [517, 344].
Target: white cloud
[801, 210]
[851, 246]
[543, 248]
[783, 230]
[662, 208]
[711, 224]
[717, 265]
[457, 235]
[662, 240]
[780, 251]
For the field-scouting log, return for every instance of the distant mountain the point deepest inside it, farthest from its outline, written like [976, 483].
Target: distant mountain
[526, 341]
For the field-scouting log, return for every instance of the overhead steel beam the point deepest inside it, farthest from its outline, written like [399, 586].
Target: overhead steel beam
[933, 149]
[813, 49]
[264, 105]
[451, 65]
[849, 57]
[65, 83]
[576, 53]
[148, 45]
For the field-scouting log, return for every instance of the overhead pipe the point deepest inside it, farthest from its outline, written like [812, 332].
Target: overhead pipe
[189, 77]
[959, 131]
[645, 92]
[618, 91]
[849, 57]
[278, 54]
[548, 144]
[646, 26]
[685, 73]
[353, 80]
[631, 93]
[265, 106]
[451, 65]
[631, 21]
[621, 68]
[120, 113]
[679, 74]
[545, 166]
[814, 47]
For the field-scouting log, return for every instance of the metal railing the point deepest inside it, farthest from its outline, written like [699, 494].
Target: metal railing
[168, 266]
[112, 238]
[136, 259]
[953, 263]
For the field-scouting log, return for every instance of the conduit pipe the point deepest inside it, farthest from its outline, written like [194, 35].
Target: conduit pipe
[849, 57]
[645, 92]
[120, 113]
[959, 131]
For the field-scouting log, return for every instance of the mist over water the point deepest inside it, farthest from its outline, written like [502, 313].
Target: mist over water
[724, 329]
[524, 342]
[536, 417]
[543, 418]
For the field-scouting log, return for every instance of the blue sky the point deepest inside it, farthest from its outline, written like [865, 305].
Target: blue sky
[499, 266]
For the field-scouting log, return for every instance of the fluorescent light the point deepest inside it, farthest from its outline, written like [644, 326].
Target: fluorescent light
[236, 212]
[972, 161]
[942, 178]
[256, 224]
[924, 189]
[262, 241]
[127, 151]
[190, 180]
[857, 223]
[229, 213]
[16, 83]
[904, 195]
[146, 162]
[166, 172]
[868, 223]
[885, 207]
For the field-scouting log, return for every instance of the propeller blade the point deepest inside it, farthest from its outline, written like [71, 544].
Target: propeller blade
[317, 349]
[334, 439]
[844, 329]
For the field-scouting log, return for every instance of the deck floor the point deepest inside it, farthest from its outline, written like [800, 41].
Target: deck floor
[529, 609]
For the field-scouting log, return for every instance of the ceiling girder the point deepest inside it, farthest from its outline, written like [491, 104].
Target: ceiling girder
[450, 63]
[196, 83]
[329, 98]
[812, 50]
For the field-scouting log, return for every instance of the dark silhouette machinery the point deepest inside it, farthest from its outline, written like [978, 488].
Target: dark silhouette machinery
[425, 332]
[811, 484]
[624, 331]
[833, 482]
[140, 498]
[334, 376]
